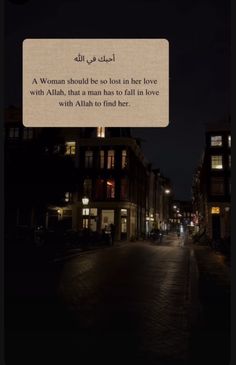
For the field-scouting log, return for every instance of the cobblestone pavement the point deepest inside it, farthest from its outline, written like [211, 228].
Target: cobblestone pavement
[133, 303]
[132, 298]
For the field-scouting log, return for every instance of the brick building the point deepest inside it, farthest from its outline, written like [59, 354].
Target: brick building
[49, 172]
[212, 183]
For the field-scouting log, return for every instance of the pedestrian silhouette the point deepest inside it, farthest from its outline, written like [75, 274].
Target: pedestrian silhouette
[112, 230]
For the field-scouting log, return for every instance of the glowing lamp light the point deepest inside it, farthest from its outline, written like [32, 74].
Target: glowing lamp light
[59, 211]
[215, 210]
[167, 191]
[85, 200]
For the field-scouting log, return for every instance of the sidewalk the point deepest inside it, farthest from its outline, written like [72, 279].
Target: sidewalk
[210, 341]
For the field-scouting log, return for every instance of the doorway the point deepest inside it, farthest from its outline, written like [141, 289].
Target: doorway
[216, 226]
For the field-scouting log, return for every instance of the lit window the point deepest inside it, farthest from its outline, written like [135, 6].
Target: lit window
[124, 159]
[88, 187]
[28, 133]
[102, 160]
[93, 212]
[85, 223]
[88, 159]
[14, 132]
[111, 159]
[229, 140]
[216, 140]
[216, 162]
[70, 148]
[215, 210]
[217, 186]
[123, 212]
[68, 197]
[123, 220]
[110, 189]
[101, 132]
[85, 211]
[229, 161]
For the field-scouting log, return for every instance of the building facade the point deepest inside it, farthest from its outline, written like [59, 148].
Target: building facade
[212, 184]
[81, 178]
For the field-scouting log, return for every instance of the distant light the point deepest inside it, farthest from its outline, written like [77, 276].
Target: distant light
[174, 207]
[85, 200]
[215, 210]
[227, 209]
[167, 191]
[59, 211]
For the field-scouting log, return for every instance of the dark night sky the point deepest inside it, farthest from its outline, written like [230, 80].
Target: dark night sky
[199, 36]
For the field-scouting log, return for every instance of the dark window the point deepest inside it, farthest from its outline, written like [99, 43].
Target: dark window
[89, 159]
[99, 186]
[88, 187]
[124, 188]
[217, 186]
[14, 132]
[28, 133]
[102, 160]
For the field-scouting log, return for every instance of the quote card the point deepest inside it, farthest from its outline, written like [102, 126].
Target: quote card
[93, 82]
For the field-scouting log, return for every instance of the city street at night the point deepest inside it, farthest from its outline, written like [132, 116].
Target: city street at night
[137, 302]
[117, 183]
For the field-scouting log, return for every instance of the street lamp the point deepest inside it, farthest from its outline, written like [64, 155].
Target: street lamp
[85, 200]
[59, 212]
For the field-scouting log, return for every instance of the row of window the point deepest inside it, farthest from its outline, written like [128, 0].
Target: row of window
[105, 188]
[217, 162]
[109, 163]
[217, 141]
[14, 133]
